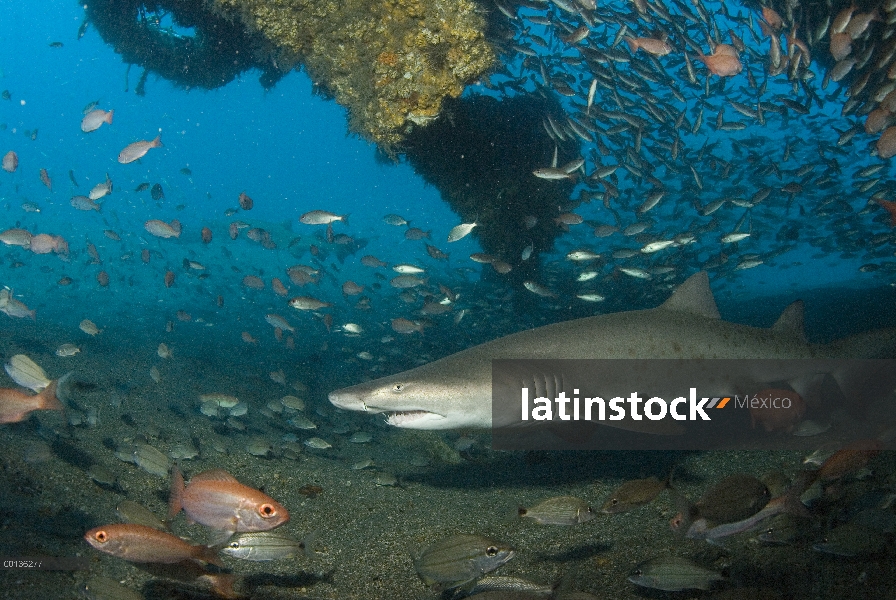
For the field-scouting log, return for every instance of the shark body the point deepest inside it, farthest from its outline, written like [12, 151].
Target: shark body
[456, 391]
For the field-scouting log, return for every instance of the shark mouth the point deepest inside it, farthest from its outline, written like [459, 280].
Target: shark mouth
[412, 418]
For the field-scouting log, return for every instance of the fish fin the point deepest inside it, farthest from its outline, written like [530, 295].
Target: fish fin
[108, 118]
[157, 142]
[307, 543]
[221, 584]
[220, 537]
[48, 399]
[62, 387]
[632, 45]
[214, 475]
[694, 296]
[345, 219]
[176, 493]
[791, 321]
[207, 554]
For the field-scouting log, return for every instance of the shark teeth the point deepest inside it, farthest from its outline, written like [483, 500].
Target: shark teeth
[398, 419]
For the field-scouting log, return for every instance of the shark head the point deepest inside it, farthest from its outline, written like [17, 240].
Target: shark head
[427, 397]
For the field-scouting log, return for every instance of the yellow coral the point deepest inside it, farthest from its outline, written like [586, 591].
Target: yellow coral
[389, 63]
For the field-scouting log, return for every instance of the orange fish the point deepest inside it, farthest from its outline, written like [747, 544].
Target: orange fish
[45, 179]
[169, 278]
[649, 45]
[15, 405]
[142, 544]
[139, 149]
[772, 18]
[216, 499]
[206, 235]
[723, 61]
[890, 206]
[849, 459]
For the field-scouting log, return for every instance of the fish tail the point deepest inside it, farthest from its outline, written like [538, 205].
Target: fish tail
[307, 543]
[48, 399]
[345, 219]
[668, 481]
[157, 142]
[175, 493]
[632, 44]
[108, 118]
[207, 554]
[62, 388]
[221, 584]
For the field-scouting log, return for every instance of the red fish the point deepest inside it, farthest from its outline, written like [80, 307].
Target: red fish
[216, 499]
[45, 179]
[102, 278]
[142, 544]
[723, 61]
[849, 459]
[206, 235]
[890, 206]
[169, 278]
[15, 405]
[246, 202]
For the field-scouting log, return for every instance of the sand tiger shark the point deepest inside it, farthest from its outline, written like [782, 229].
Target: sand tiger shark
[456, 391]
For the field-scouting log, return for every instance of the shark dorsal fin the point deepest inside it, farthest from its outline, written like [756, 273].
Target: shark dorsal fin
[791, 321]
[694, 297]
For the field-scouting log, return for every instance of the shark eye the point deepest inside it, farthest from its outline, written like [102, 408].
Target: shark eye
[398, 387]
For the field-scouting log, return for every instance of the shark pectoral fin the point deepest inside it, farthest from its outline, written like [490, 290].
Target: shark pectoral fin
[694, 296]
[661, 427]
[877, 343]
[866, 382]
[791, 322]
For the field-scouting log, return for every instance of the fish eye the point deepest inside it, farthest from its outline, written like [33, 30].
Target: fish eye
[614, 501]
[398, 387]
[234, 545]
[267, 510]
[491, 551]
[100, 536]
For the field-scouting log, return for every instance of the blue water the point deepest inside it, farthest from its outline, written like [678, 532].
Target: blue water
[290, 151]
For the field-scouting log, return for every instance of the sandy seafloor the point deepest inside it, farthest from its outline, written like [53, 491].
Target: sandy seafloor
[366, 533]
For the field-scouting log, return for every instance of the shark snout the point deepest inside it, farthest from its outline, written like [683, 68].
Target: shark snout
[347, 400]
